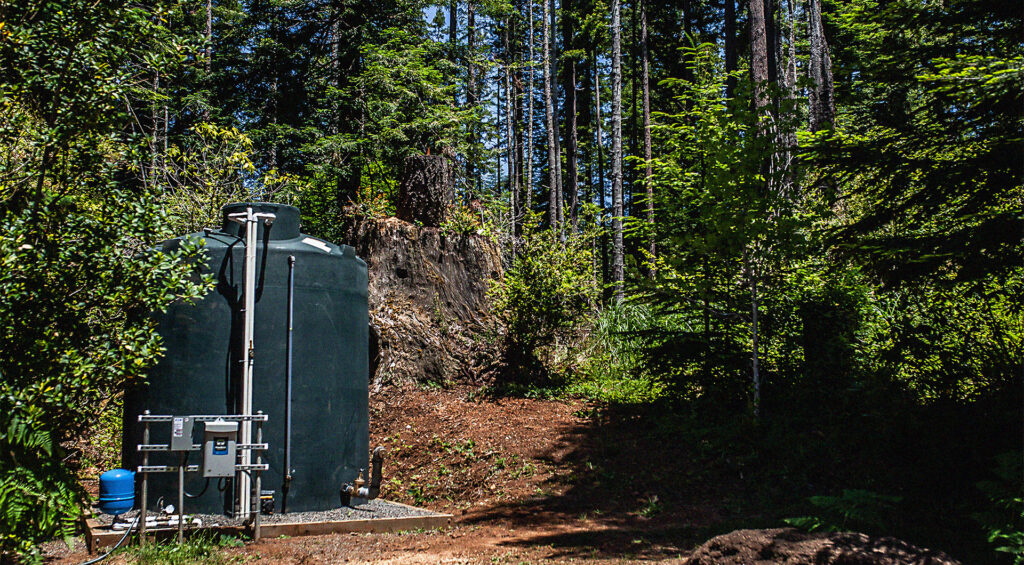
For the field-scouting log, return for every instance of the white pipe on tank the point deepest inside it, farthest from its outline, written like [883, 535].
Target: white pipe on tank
[250, 221]
[244, 487]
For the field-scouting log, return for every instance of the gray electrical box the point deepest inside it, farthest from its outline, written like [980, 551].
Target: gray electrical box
[181, 433]
[219, 448]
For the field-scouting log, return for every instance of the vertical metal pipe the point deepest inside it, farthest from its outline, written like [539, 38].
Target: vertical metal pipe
[181, 497]
[244, 483]
[288, 389]
[259, 480]
[145, 483]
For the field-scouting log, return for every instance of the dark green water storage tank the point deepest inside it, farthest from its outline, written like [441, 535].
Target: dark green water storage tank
[202, 369]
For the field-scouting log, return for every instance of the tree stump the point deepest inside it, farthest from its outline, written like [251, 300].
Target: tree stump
[427, 189]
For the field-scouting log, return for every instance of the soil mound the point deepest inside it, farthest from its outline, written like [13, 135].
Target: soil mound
[792, 547]
[429, 310]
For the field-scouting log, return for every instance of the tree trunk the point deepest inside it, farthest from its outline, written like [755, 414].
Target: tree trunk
[426, 190]
[571, 180]
[634, 95]
[771, 40]
[208, 52]
[528, 204]
[553, 14]
[453, 29]
[272, 157]
[754, 334]
[648, 171]
[758, 53]
[729, 30]
[822, 102]
[685, 33]
[618, 261]
[791, 50]
[154, 127]
[510, 97]
[453, 38]
[471, 99]
[571, 150]
[602, 196]
[759, 68]
[549, 119]
[787, 137]
[585, 114]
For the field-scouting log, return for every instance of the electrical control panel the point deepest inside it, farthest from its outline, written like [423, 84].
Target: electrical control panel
[219, 447]
[181, 433]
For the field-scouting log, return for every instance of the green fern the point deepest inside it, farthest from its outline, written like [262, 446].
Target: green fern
[39, 498]
[856, 508]
[1004, 519]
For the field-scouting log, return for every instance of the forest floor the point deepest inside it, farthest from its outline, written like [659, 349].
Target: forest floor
[527, 480]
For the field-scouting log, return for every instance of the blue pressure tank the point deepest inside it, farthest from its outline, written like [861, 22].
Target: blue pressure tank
[117, 491]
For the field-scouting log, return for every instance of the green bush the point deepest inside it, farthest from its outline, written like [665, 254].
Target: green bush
[74, 328]
[856, 509]
[77, 205]
[546, 293]
[612, 366]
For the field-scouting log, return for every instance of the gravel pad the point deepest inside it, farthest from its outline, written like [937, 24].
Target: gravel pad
[371, 510]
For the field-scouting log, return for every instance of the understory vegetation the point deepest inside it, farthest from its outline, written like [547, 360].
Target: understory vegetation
[785, 232]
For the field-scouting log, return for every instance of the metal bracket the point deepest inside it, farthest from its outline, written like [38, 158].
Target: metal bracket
[205, 418]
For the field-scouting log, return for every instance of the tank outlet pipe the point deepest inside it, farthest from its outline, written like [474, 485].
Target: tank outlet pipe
[357, 490]
[288, 389]
[250, 220]
[376, 477]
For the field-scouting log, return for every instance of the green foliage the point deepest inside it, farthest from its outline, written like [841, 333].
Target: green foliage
[651, 507]
[211, 167]
[925, 152]
[77, 208]
[378, 192]
[404, 96]
[949, 341]
[461, 220]
[855, 510]
[724, 227]
[196, 549]
[74, 303]
[544, 294]
[611, 369]
[39, 498]
[1004, 521]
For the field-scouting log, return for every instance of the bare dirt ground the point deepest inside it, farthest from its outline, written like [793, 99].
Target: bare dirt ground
[553, 481]
[527, 480]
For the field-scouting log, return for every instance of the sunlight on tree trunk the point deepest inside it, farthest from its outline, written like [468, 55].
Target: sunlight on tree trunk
[618, 267]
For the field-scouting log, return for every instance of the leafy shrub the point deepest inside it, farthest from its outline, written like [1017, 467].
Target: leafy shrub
[460, 220]
[547, 292]
[77, 205]
[210, 167]
[73, 330]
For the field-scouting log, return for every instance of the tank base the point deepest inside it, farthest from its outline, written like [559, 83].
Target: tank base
[377, 516]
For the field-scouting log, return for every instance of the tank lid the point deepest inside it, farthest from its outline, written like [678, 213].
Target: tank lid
[285, 226]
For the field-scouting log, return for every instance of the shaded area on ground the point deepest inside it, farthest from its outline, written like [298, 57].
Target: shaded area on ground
[785, 545]
[552, 480]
